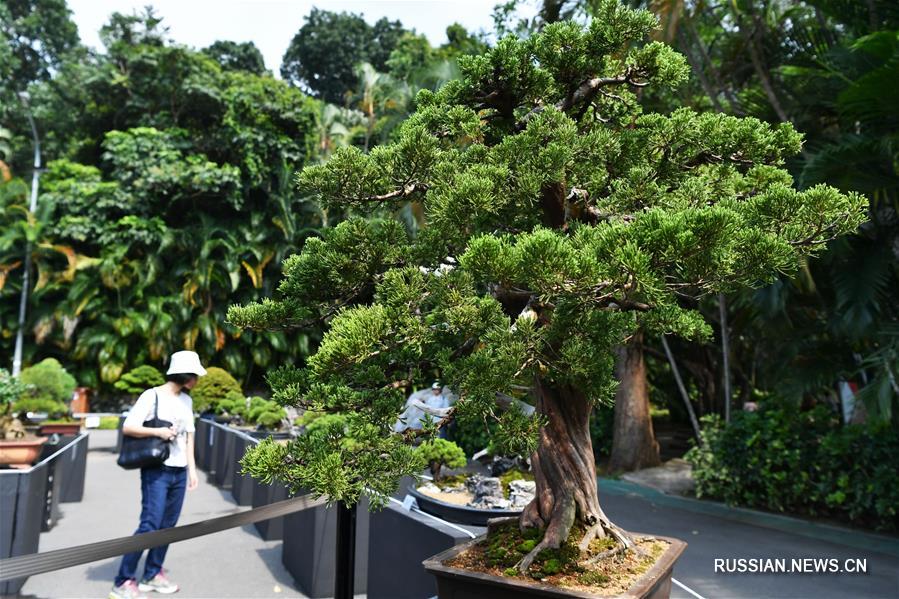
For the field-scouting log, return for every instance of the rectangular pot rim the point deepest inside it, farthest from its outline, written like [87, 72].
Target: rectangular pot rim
[664, 564]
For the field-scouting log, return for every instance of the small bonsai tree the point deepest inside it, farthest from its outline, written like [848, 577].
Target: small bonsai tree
[234, 405]
[215, 386]
[439, 453]
[139, 379]
[266, 414]
[11, 389]
[560, 218]
[50, 386]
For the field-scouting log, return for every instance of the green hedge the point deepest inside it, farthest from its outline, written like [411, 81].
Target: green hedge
[786, 460]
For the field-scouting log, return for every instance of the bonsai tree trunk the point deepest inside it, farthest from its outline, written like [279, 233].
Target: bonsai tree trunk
[634, 444]
[567, 497]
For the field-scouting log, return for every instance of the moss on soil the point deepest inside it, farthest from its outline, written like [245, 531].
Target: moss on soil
[513, 474]
[504, 547]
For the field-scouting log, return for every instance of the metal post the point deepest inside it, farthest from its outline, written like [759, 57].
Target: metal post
[725, 352]
[23, 301]
[345, 565]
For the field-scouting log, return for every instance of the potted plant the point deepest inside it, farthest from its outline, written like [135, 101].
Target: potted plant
[17, 447]
[211, 389]
[560, 219]
[50, 387]
[139, 379]
[470, 497]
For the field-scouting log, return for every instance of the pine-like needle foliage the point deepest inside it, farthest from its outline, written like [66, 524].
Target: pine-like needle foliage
[558, 217]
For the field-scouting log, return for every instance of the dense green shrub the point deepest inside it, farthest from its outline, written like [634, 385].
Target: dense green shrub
[139, 379]
[472, 434]
[214, 387]
[265, 413]
[783, 459]
[108, 423]
[234, 405]
[602, 421]
[11, 389]
[438, 453]
[50, 388]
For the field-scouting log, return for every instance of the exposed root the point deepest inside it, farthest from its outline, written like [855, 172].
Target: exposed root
[601, 556]
[594, 532]
[558, 530]
[528, 559]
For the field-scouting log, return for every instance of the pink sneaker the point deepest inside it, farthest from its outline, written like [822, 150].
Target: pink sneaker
[126, 590]
[160, 584]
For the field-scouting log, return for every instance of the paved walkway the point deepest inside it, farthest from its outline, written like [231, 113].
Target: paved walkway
[231, 563]
[713, 531]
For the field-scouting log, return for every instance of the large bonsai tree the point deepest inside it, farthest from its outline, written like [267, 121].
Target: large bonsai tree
[559, 219]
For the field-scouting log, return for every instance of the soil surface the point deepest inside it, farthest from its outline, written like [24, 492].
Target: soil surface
[566, 567]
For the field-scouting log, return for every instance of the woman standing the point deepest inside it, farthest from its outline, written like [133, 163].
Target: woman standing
[162, 487]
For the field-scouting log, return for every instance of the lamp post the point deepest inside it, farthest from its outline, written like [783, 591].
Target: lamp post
[32, 206]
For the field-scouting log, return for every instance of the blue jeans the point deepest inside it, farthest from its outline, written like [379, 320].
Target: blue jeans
[162, 495]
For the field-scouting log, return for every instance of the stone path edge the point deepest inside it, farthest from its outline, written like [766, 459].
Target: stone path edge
[822, 532]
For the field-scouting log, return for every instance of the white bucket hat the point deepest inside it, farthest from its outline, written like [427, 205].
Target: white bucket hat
[186, 362]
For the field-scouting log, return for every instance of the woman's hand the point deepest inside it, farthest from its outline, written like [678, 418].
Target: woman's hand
[192, 481]
[167, 434]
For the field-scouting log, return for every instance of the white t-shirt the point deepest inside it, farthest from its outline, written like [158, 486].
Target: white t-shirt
[177, 410]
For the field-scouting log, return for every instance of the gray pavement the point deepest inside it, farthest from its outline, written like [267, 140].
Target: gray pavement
[727, 534]
[231, 563]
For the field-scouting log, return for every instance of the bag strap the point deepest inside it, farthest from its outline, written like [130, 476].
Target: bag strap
[156, 404]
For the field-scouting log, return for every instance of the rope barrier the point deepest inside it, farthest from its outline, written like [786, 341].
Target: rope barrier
[38, 563]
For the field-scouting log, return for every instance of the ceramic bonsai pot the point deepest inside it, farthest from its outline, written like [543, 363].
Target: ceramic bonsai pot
[61, 428]
[460, 514]
[456, 583]
[22, 452]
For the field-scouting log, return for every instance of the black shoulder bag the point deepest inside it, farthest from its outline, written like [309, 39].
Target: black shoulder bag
[146, 452]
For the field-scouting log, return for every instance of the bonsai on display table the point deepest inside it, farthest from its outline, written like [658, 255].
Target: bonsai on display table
[559, 219]
[18, 449]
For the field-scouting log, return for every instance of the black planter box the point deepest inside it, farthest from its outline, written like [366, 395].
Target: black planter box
[309, 550]
[201, 443]
[273, 528]
[49, 455]
[224, 458]
[218, 435]
[23, 495]
[399, 541]
[72, 468]
[209, 439]
[241, 484]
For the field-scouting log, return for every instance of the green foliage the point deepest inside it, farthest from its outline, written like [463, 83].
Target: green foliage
[214, 387]
[38, 35]
[439, 453]
[51, 386]
[266, 414]
[323, 54]
[313, 422]
[160, 153]
[233, 56]
[785, 460]
[108, 423]
[11, 389]
[138, 379]
[472, 434]
[560, 217]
